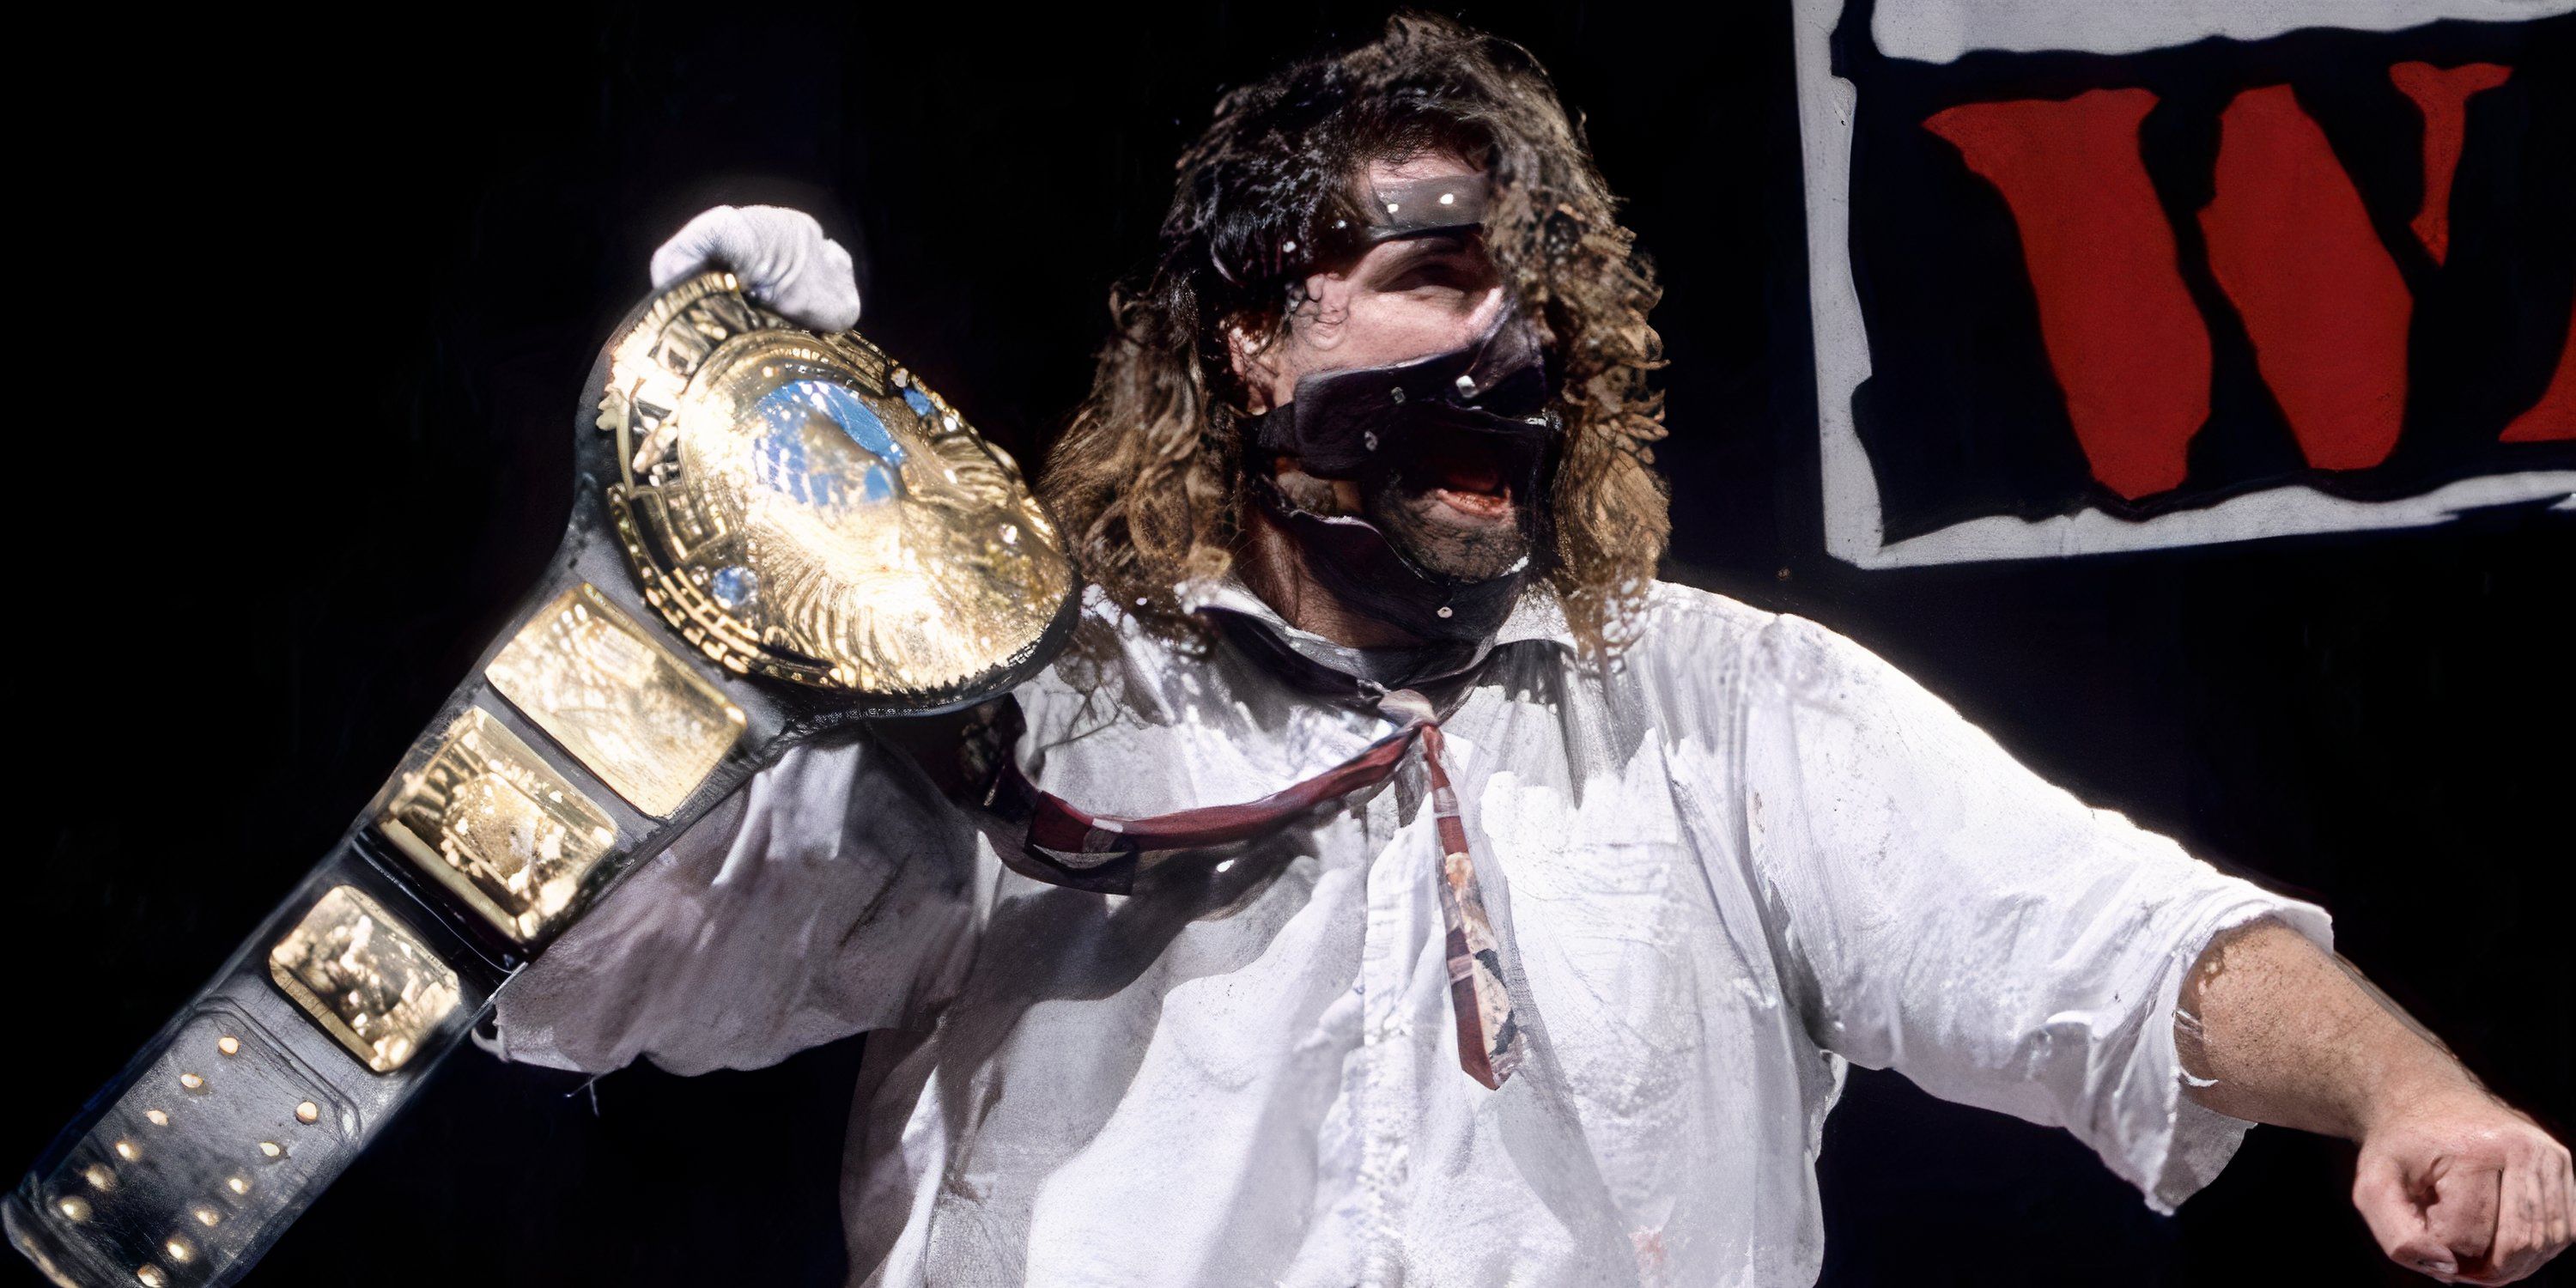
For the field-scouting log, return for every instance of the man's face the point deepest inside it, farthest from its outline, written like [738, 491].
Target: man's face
[1403, 300]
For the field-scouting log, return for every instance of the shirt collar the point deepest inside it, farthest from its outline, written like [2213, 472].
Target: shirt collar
[1537, 615]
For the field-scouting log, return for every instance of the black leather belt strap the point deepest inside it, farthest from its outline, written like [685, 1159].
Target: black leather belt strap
[334, 1011]
[590, 734]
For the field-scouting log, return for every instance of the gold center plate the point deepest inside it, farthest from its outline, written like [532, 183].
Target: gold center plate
[800, 507]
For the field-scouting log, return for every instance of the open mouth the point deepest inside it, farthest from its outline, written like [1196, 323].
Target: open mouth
[1466, 472]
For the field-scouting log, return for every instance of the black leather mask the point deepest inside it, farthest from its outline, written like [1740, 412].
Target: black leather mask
[1379, 426]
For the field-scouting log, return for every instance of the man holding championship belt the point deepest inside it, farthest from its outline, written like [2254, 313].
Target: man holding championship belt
[1326, 855]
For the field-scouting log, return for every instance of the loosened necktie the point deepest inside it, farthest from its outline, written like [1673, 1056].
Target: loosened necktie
[1047, 838]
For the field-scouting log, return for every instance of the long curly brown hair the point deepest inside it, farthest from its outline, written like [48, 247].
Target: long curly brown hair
[1148, 479]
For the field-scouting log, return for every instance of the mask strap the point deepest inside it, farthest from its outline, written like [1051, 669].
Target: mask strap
[1420, 207]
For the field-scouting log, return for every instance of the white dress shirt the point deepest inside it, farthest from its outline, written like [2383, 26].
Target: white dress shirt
[1749, 852]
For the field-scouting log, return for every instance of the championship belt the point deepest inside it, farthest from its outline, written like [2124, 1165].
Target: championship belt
[775, 533]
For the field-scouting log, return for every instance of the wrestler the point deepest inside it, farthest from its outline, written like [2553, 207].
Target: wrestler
[1554, 899]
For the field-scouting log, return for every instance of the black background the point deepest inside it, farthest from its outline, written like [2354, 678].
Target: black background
[306, 311]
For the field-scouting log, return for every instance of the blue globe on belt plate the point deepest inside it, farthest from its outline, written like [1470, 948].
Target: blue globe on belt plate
[798, 456]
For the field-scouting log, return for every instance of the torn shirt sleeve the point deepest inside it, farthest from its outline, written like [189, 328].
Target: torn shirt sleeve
[1952, 916]
[828, 896]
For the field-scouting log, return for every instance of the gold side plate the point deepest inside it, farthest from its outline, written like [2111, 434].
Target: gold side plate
[364, 977]
[617, 699]
[496, 825]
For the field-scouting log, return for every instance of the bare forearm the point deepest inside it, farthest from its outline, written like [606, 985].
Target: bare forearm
[2273, 1030]
[2453, 1182]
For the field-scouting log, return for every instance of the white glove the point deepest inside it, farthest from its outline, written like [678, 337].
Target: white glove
[781, 256]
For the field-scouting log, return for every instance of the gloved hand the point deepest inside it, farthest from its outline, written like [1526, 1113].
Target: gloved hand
[784, 260]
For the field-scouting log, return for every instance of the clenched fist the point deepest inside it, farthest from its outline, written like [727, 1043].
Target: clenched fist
[781, 256]
[2465, 1189]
